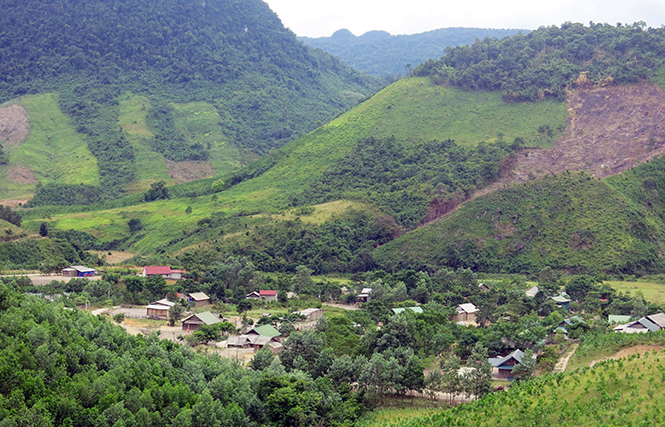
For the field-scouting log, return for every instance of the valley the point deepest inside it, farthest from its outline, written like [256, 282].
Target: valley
[205, 222]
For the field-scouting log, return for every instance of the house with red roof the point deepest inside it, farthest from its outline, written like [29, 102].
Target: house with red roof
[264, 295]
[164, 271]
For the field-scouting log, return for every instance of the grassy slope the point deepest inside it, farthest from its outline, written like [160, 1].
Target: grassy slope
[566, 221]
[53, 150]
[652, 292]
[414, 106]
[616, 392]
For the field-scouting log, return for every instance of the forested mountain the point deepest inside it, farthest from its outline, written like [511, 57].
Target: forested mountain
[381, 54]
[262, 85]
[415, 152]
[543, 63]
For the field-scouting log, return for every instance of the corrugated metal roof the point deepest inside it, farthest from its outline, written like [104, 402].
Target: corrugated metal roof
[266, 330]
[157, 269]
[414, 309]
[199, 296]
[206, 317]
[658, 319]
[267, 293]
[468, 308]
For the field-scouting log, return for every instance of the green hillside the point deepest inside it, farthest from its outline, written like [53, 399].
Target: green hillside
[547, 61]
[615, 392]
[395, 111]
[251, 85]
[53, 152]
[572, 222]
[381, 54]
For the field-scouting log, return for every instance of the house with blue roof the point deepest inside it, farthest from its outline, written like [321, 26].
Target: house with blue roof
[502, 367]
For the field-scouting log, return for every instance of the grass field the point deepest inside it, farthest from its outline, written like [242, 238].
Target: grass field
[53, 151]
[652, 292]
[412, 109]
[616, 392]
[199, 123]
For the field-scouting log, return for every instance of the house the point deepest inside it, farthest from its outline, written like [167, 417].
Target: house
[483, 287]
[365, 295]
[164, 271]
[264, 295]
[651, 323]
[465, 313]
[502, 367]
[402, 309]
[617, 318]
[311, 313]
[195, 321]
[198, 299]
[79, 271]
[571, 321]
[254, 341]
[265, 330]
[562, 300]
[159, 309]
[532, 292]
[257, 338]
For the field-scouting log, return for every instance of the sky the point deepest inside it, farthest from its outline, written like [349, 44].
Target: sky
[321, 18]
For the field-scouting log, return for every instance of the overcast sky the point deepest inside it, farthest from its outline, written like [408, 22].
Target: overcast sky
[321, 18]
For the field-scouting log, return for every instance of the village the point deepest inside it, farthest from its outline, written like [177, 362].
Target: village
[260, 321]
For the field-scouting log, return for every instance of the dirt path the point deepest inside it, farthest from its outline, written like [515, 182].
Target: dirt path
[629, 351]
[343, 306]
[562, 364]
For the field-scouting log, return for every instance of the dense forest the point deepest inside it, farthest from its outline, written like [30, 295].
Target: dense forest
[544, 62]
[265, 84]
[381, 54]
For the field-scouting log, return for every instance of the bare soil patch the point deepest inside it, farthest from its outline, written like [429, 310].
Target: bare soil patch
[21, 175]
[189, 170]
[14, 125]
[630, 351]
[610, 130]
[14, 202]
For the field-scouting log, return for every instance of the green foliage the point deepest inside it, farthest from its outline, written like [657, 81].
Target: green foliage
[266, 86]
[168, 141]
[135, 225]
[12, 217]
[402, 180]
[100, 375]
[65, 195]
[158, 191]
[385, 55]
[544, 62]
[568, 221]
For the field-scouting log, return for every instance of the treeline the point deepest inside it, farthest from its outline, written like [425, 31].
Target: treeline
[403, 180]
[544, 62]
[9, 215]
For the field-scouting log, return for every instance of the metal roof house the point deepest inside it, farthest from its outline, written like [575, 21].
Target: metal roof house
[79, 271]
[402, 309]
[365, 295]
[532, 292]
[465, 313]
[164, 271]
[651, 323]
[311, 313]
[195, 321]
[562, 300]
[197, 299]
[263, 295]
[159, 309]
[502, 367]
[265, 330]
